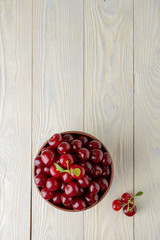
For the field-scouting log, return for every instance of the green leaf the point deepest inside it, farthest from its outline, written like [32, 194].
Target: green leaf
[58, 168]
[138, 194]
[77, 172]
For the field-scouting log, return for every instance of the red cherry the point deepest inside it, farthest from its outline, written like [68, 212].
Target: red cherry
[94, 144]
[88, 177]
[71, 189]
[63, 185]
[78, 204]
[125, 197]
[53, 184]
[106, 159]
[83, 182]
[96, 171]
[80, 192]
[39, 170]
[103, 183]
[82, 171]
[38, 161]
[94, 187]
[66, 177]
[48, 157]
[54, 172]
[91, 198]
[66, 200]
[47, 148]
[55, 140]
[46, 170]
[131, 212]
[68, 138]
[84, 139]
[84, 154]
[40, 180]
[117, 204]
[76, 145]
[106, 172]
[57, 198]
[46, 194]
[64, 158]
[63, 148]
[87, 166]
[96, 155]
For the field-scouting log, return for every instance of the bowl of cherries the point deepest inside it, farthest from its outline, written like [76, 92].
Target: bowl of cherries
[73, 171]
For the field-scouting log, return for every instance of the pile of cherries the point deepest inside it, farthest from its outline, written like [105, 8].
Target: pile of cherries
[72, 171]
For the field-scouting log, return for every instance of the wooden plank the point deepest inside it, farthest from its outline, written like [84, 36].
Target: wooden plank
[57, 99]
[108, 75]
[15, 118]
[147, 117]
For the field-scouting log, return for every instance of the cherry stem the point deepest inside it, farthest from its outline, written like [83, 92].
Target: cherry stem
[67, 164]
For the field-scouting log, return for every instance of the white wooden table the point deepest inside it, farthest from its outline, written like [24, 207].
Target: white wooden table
[89, 65]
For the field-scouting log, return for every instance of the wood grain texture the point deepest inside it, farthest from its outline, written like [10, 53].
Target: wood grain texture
[15, 118]
[57, 99]
[108, 75]
[147, 117]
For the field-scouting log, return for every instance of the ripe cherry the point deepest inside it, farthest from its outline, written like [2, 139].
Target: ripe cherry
[96, 155]
[80, 171]
[66, 200]
[103, 183]
[48, 157]
[63, 185]
[71, 189]
[132, 210]
[57, 198]
[64, 147]
[87, 166]
[78, 204]
[106, 159]
[94, 187]
[117, 204]
[106, 172]
[125, 197]
[84, 139]
[94, 144]
[53, 184]
[47, 148]
[84, 154]
[81, 192]
[88, 177]
[39, 170]
[46, 194]
[96, 171]
[66, 177]
[83, 182]
[64, 158]
[46, 170]
[40, 180]
[55, 140]
[68, 138]
[54, 172]
[38, 161]
[91, 198]
[76, 145]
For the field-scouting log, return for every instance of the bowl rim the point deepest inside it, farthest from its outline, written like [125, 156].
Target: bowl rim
[111, 178]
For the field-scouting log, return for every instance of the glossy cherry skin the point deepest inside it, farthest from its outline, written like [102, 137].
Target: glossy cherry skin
[38, 161]
[106, 172]
[76, 145]
[87, 166]
[40, 180]
[54, 172]
[117, 204]
[78, 204]
[66, 200]
[68, 138]
[103, 183]
[64, 158]
[71, 189]
[125, 197]
[88, 177]
[57, 198]
[82, 173]
[91, 198]
[48, 148]
[46, 170]
[48, 157]
[46, 194]
[94, 144]
[84, 139]
[83, 182]
[96, 171]
[66, 177]
[63, 185]
[129, 213]
[55, 140]
[106, 161]
[39, 170]
[84, 154]
[64, 147]
[53, 184]
[80, 192]
[94, 187]
[96, 155]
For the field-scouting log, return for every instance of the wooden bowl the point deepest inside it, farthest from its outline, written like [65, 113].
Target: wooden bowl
[109, 181]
